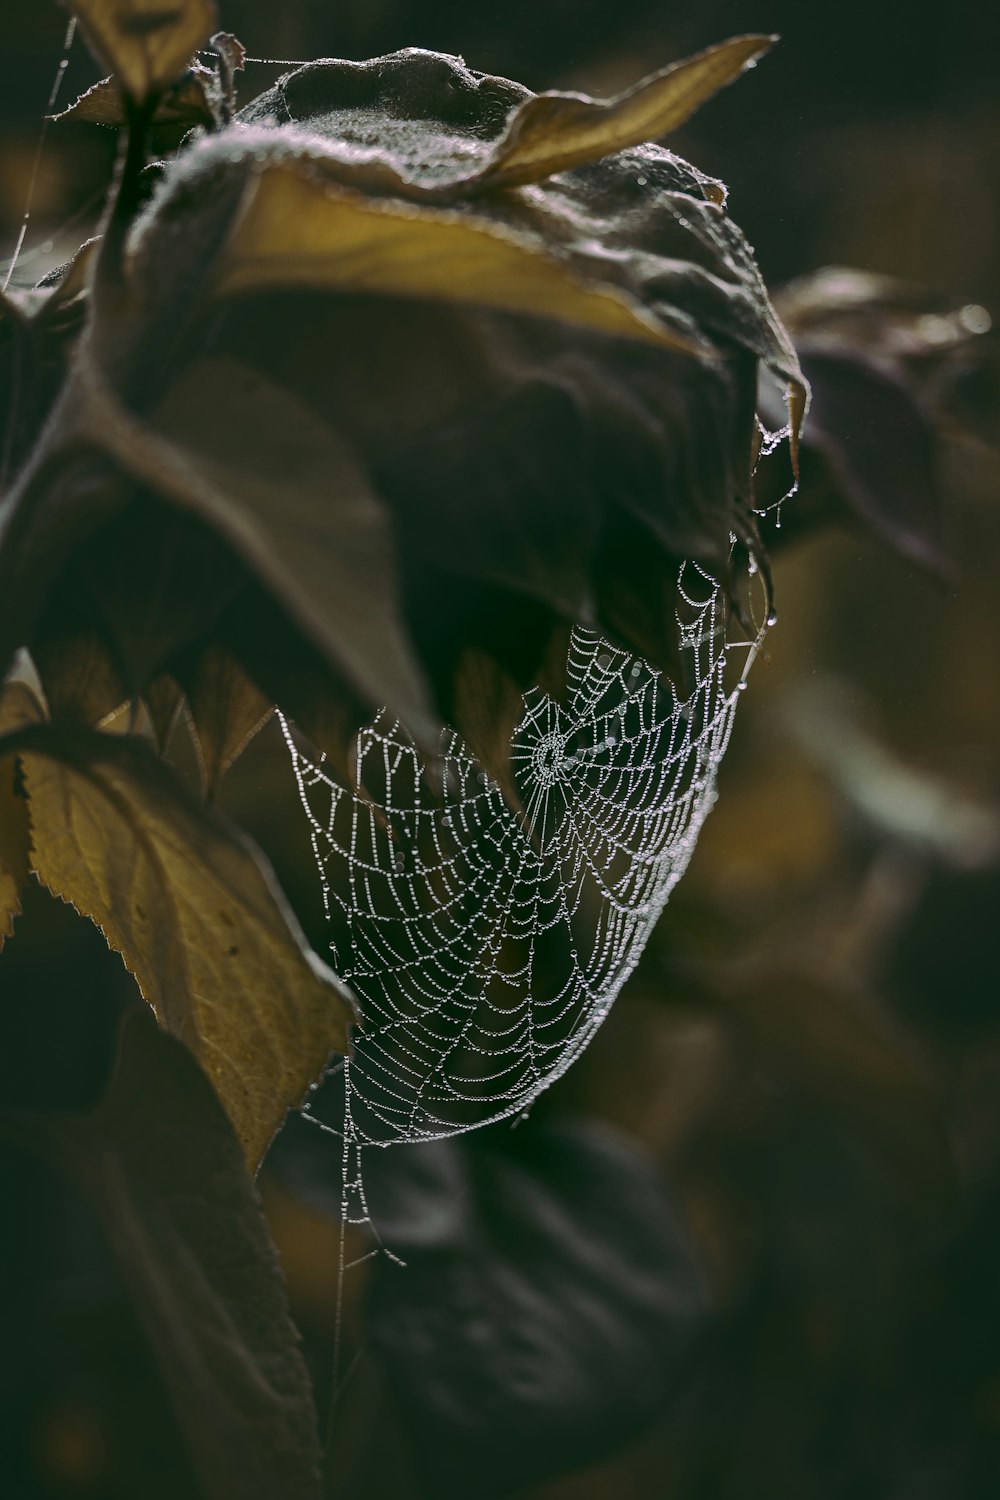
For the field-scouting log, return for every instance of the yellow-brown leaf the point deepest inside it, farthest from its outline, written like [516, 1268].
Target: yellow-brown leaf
[227, 710]
[185, 103]
[197, 917]
[297, 230]
[146, 44]
[555, 131]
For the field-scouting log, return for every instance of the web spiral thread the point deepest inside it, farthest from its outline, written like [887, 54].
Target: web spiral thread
[487, 944]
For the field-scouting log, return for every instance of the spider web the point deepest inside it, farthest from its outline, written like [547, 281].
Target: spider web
[487, 943]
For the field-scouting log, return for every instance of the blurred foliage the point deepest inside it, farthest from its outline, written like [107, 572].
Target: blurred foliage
[799, 1086]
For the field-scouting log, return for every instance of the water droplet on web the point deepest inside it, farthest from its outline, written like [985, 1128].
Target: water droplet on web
[617, 778]
[975, 319]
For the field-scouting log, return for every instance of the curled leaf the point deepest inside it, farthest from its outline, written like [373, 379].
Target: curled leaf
[552, 132]
[885, 360]
[297, 231]
[423, 418]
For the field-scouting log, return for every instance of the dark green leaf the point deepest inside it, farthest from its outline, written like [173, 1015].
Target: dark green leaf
[884, 358]
[548, 1303]
[164, 1173]
[322, 542]
[16, 709]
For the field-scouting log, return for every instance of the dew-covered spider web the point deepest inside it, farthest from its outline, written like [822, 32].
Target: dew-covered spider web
[487, 942]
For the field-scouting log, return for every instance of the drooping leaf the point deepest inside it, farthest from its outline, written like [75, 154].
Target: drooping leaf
[194, 912]
[38, 328]
[553, 132]
[164, 699]
[548, 1304]
[885, 358]
[878, 450]
[186, 102]
[82, 681]
[163, 1171]
[297, 231]
[224, 443]
[646, 222]
[292, 673]
[227, 710]
[134, 592]
[146, 44]
[513, 352]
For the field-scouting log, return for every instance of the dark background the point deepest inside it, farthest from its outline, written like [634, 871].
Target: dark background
[810, 1052]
